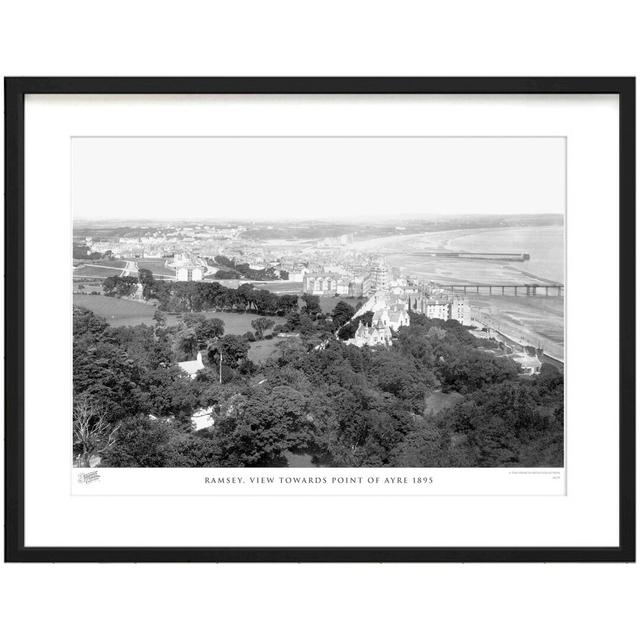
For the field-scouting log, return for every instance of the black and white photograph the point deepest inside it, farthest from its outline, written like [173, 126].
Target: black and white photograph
[307, 302]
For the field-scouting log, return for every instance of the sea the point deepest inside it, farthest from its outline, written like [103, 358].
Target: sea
[544, 244]
[535, 320]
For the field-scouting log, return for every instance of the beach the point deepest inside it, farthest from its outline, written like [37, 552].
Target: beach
[537, 320]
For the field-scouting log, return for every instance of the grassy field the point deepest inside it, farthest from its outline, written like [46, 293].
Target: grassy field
[260, 351]
[115, 311]
[115, 264]
[120, 313]
[328, 303]
[87, 285]
[280, 286]
[156, 266]
[234, 323]
[96, 271]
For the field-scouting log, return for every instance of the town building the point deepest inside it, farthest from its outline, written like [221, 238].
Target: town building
[324, 284]
[203, 419]
[359, 287]
[191, 367]
[530, 364]
[441, 307]
[319, 285]
[461, 311]
[187, 267]
[373, 336]
[379, 277]
[342, 287]
[297, 275]
[396, 318]
[389, 315]
[431, 307]
[188, 273]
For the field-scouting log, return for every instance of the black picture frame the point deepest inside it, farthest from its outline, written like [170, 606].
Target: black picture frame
[15, 91]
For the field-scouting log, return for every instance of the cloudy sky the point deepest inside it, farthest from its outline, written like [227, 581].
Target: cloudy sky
[270, 179]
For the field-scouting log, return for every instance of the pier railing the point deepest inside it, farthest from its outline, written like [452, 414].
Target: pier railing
[504, 289]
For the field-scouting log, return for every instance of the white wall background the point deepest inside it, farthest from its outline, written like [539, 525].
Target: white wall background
[328, 38]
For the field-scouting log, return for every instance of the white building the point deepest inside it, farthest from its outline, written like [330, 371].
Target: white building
[202, 419]
[461, 311]
[441, 307]
[437, 309]
[530, 364]
[320, 284]
[188, 273]
[297, 276]
[379, 277]
[187, 267]
[389, 314]
[397, 319]
[376, 335]
[342, 287]
[192, 367]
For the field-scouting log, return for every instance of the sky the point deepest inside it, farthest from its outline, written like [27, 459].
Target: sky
[296, 179]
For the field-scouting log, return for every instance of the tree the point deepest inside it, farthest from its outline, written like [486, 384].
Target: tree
[269, 423]
[341, 314]
[92, 434]
[347, 406]
[312, 304]
[261, 325]
[306, 326]
[102, 368]
[291, 350]
[426, 446]
[201, 296]
[145, 277]
[348, 330]
[366, 318]
[121, 286]
[232, 349]
[160, 318]
[191, 450]
[209, 329]
[109, 285]
[142, 442]
[147, 281]
[186, 344]
[287, 303]
[206, 329]
[436, 333]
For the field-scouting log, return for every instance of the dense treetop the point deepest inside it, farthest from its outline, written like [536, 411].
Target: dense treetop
[436, 397]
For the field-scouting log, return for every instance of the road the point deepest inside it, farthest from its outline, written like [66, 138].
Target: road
[130, 269]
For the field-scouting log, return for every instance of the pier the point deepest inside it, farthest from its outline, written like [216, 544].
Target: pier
[473, 255]
[500, 289]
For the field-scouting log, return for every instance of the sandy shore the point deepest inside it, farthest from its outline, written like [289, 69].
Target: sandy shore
[538, 320]
[413, 241]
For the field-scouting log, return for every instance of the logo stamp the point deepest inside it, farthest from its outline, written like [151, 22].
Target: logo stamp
[88, 477]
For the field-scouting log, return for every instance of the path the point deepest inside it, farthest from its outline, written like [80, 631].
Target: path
[130, 269]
